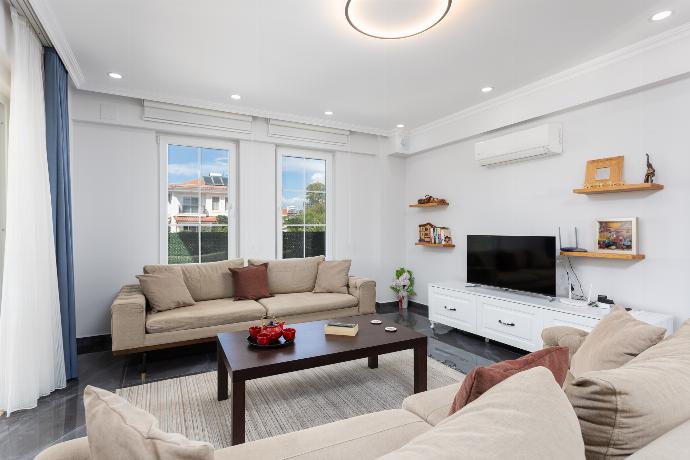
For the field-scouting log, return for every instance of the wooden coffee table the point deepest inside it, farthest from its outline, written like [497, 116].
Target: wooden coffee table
[312, 348]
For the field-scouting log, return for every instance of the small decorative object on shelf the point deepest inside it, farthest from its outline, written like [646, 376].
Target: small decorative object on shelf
[617, 235]
[403, 285]
[651, 172]
[431, 200]
[429, 233]
[604, 172]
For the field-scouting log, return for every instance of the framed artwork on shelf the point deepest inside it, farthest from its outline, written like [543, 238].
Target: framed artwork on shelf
[617, 235]
[604, 172]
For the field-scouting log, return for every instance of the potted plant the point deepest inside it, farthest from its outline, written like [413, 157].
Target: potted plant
[403, 286]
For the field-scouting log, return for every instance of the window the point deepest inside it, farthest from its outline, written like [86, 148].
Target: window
[196, 176]
[305, 210]
[190, 204]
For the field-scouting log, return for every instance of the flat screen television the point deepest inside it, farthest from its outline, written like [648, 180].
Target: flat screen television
[520, 263]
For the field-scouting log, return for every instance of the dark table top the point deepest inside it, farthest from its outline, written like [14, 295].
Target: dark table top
[311, 342]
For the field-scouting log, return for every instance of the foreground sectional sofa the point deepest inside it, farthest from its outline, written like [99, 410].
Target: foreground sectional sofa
[135, 328]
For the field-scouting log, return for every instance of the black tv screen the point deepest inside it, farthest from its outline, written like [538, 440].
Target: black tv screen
[520, 263]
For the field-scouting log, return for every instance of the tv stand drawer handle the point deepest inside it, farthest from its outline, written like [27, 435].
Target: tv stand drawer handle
[451, 309]
[506, 324]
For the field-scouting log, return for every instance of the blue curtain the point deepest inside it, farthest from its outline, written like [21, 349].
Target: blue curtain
[55, 84]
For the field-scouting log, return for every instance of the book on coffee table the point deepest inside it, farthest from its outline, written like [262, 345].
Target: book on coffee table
[338, 328]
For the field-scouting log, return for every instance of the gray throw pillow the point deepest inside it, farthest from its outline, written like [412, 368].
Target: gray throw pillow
[333, 276]
[165, 291]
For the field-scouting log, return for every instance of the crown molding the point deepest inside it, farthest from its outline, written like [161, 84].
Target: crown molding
[648, 44]
[59, 41]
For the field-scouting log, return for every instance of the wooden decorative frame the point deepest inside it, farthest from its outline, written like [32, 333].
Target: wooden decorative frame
[604, 172]
[631, 232]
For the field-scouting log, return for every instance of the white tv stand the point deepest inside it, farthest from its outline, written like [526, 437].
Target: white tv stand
[513, 318]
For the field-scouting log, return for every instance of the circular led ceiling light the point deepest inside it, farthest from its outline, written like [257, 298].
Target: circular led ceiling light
[392, 19]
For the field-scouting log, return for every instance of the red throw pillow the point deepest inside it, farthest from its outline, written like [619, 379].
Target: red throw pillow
[250, 283]
[481, 379]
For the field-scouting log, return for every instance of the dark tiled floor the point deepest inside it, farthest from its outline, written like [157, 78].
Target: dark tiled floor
[60, 416]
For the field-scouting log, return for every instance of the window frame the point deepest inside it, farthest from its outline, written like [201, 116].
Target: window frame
[330, 190]
[197, 142]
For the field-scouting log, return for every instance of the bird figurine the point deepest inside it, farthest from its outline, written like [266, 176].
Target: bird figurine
[651, 172]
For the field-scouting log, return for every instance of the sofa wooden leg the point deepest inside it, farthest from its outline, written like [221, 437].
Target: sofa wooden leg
[142, 372]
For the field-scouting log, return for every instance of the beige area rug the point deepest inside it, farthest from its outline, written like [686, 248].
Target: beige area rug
[284, 403]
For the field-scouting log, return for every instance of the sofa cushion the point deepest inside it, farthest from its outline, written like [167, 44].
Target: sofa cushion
[363, 438]
[622, 410]
[118, 430]
[671, 445]
[250, 282]
[165, 291]
[291, 275]
[481, 379]
[333, 276]
[205, 281]
[526, 416]
[432, 406]
[300, 303]
[204, 314]
[614, 341]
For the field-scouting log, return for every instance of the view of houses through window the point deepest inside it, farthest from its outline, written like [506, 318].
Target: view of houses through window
[197, 209]
[304, 206]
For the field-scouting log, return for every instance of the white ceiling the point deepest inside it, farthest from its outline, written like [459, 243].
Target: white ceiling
[301, 57]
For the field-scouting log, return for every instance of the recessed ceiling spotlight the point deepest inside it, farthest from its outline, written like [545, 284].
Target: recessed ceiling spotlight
[399, 125]
[387, 19]
[115, 75]
[236, 97]
[328, 112]
[487, 89]
[661, 15]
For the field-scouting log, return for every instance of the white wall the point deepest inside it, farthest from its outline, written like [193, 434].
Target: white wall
[535, 197]
[115, 193]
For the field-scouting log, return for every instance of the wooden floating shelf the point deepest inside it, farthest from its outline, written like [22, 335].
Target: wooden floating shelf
[428, 205]
[604, 255]
[435, 245]
[618, 188]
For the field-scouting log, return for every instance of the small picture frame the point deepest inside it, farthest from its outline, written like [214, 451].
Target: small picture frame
[604, 172]
[616, 235]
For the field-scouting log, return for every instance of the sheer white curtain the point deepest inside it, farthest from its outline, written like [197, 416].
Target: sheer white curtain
[31, 359]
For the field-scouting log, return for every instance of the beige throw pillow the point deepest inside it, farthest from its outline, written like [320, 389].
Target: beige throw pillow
[333, 276]
[617, 339]
[117, 430]
[526, 416]
[286, 276]
[622, 410]
[165, 291]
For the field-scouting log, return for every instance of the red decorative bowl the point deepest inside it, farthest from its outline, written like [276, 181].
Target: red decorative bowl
[263, 339]
[254, 331]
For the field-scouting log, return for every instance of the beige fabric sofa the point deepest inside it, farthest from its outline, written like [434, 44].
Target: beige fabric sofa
[512, 420]
[135, 328]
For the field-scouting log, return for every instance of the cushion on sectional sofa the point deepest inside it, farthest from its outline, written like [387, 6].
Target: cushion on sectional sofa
[622, 410]
[291, 275]
[333, 276]
[204, 314]
[165, 291]
[205, 281]
[300, 303]
[482, 378]
[526, 416]
[119, 430]
[364, 437]
[614, 341]
[432, 406]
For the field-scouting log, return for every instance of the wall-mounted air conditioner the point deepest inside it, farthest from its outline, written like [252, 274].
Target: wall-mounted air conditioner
[529, 143]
